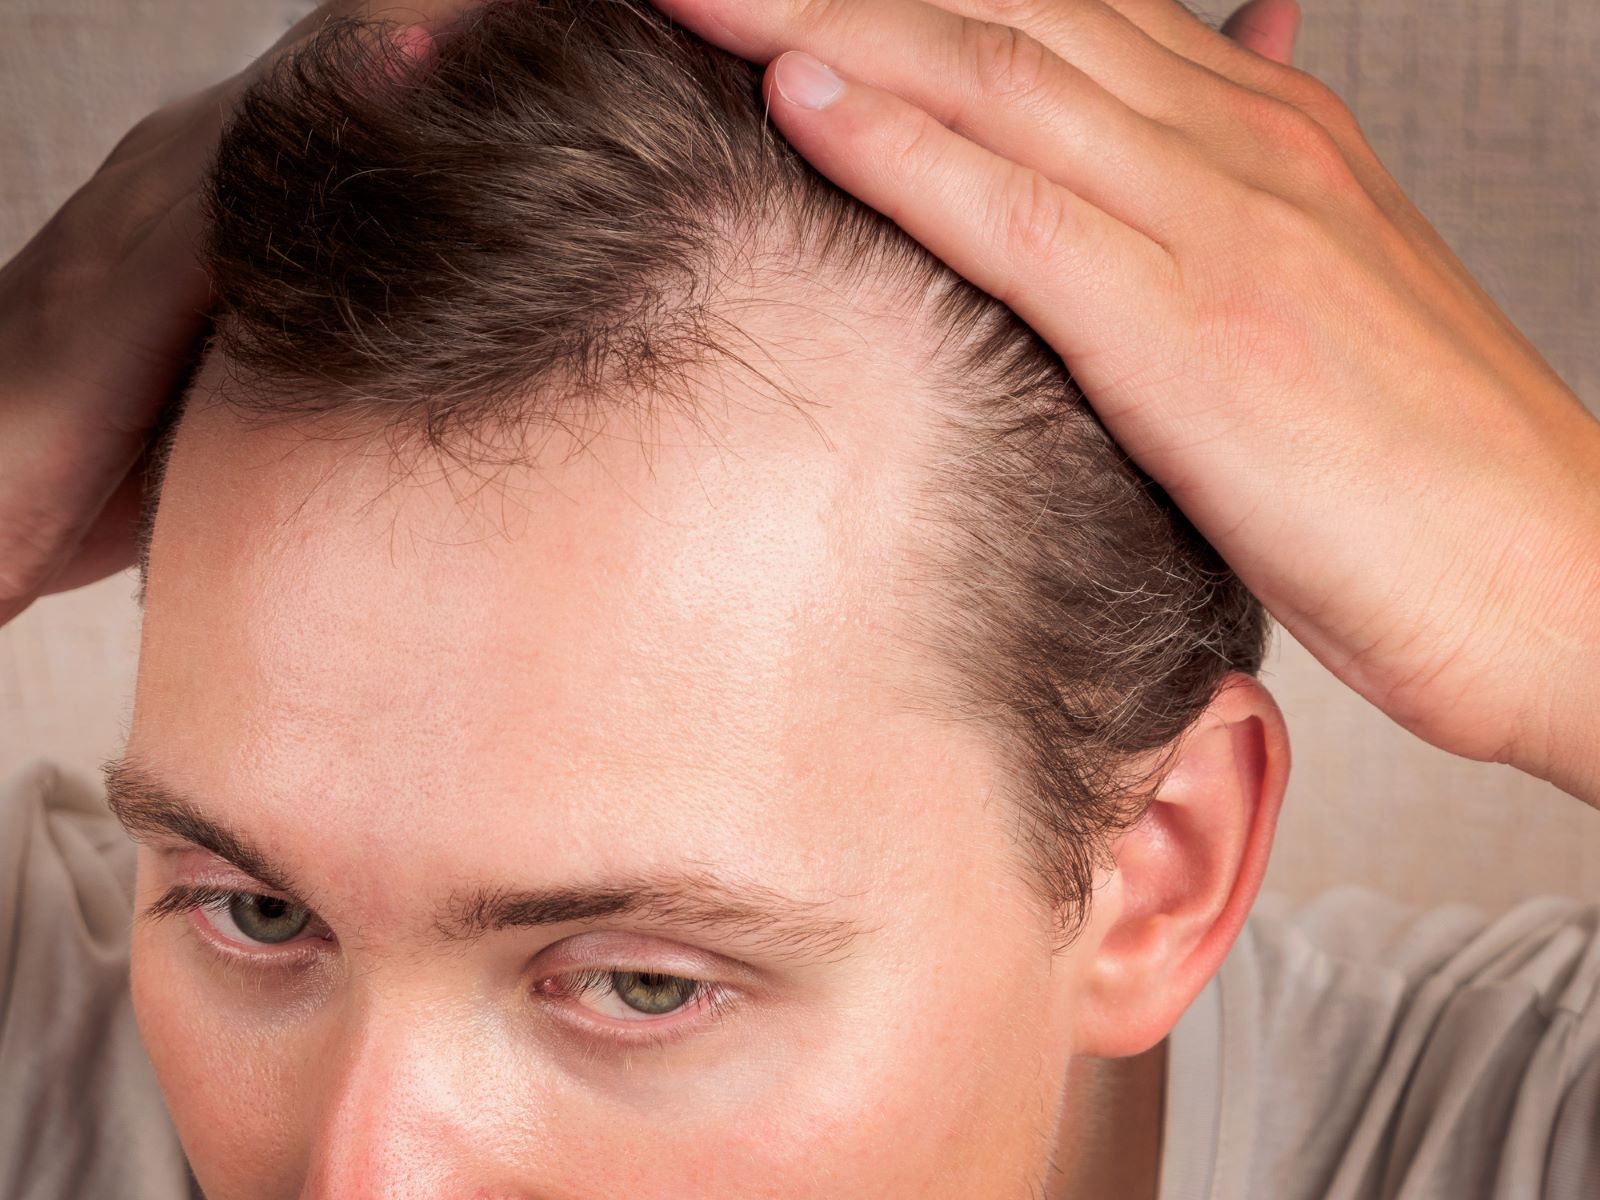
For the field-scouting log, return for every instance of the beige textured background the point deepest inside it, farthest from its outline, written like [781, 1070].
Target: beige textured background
[1487, 112]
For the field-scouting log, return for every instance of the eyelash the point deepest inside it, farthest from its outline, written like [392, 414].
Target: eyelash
[710, 1000]
[188, 897]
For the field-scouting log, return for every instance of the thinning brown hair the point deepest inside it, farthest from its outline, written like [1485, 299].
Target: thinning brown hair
[543, 212]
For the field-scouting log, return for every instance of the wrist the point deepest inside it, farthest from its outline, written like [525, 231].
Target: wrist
[1564, 747]
[1559, 737]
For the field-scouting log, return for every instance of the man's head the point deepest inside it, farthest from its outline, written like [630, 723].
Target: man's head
[676, 659]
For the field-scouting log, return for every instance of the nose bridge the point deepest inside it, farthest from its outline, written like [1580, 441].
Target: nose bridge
[389, 1123]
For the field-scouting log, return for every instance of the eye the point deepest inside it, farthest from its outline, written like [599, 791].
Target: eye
[653, 994]
[631, 995]
[248, 918]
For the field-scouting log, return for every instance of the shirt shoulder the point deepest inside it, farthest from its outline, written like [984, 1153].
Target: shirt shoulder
[81, 1114]
[1369, 1049]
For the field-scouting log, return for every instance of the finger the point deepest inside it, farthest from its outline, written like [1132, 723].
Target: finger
[108, 545]
[1183, 93]
[1187, 31]
[937, 43]
[137, 330]
[978, 76]
[1004, 90]
[1267, 27]
[1084, 280]
[762, 31]
[851, 33]
[200, 115]
[1182, 54]
[95, 383]
[425, 14]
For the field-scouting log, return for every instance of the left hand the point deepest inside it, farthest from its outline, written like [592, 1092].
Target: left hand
[102, 315]
[1259, 316]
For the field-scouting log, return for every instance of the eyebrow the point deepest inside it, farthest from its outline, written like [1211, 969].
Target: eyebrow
[148, 808]
[780, 924]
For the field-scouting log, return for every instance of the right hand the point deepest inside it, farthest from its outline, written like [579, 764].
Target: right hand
[100, 316]
[1261, 318]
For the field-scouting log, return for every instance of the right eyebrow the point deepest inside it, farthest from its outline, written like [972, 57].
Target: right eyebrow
[147, 807]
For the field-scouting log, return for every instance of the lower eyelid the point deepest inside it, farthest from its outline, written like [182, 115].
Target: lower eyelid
[288, 956]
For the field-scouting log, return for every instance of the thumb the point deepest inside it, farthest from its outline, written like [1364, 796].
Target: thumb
[1267, 27]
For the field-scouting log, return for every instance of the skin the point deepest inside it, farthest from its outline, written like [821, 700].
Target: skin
[1051, 177]
[617, 664]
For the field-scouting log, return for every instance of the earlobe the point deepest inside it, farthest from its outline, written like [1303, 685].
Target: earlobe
[1186, 875]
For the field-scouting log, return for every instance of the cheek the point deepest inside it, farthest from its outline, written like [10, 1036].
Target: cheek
[936, 1083]
[943, 1096]
[224, 1084]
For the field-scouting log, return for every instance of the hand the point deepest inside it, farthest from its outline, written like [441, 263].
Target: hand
[99, 318]
[1261, 319]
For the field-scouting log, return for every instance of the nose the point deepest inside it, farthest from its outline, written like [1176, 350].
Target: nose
[392, 1118]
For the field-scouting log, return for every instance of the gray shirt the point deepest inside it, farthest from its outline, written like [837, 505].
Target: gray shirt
[1360, 1049]
[1350, 1049]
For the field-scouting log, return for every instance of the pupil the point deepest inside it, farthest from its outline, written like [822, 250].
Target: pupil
[651, 992]
[268, 919]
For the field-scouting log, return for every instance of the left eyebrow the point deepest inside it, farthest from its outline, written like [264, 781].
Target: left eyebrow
[782, 925]
[149, 808]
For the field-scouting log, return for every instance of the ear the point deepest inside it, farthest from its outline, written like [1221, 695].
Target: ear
[1185, 877]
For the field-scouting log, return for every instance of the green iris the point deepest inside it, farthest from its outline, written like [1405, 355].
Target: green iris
[268, 919]
[652, 993]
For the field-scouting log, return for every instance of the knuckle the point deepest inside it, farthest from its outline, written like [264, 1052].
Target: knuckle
[144, 132]
[1005, 61]
[1307, 154]
[29, 543]
[50, 299]
[1036, 220]
[1019, 13]
[48, 288]
[178, 120]
[87, 240]
[1311, 95]
[914, 145]
[818, 14]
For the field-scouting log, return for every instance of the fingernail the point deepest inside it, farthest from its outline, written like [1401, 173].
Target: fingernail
[804, 81]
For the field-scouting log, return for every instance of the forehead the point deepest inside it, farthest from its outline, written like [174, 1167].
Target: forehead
[682, 640]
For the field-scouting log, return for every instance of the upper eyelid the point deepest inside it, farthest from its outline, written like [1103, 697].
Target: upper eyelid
[197, 867]
[200, 866]
[187, 897]
[609, 948]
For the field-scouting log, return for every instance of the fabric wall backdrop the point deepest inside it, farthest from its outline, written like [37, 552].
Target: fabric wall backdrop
[1486, 111]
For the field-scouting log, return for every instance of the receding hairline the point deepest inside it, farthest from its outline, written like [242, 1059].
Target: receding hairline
[889, 324]
[1083, 616]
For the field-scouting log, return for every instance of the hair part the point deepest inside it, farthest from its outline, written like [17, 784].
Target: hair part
[556, 206]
